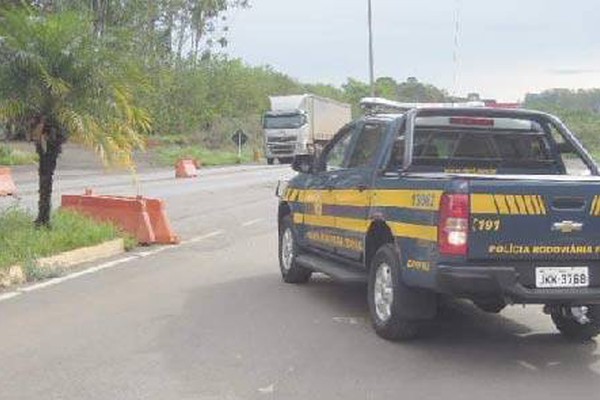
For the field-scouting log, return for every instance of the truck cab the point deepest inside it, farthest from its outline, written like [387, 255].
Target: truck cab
[471, 202]
[301, 125]
[286, 134]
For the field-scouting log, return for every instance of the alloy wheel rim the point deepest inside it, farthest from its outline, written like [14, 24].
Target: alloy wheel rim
[580, 314]
[287, 249]
[383, 292]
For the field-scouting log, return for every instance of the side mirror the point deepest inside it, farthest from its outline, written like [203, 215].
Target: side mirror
[304, 163]
[566, 147]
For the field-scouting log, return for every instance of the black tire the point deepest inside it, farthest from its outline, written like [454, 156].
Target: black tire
[286, 160]
[270, 161]
[574, 329]
[291, 272]
[491, 306]
[395, 327]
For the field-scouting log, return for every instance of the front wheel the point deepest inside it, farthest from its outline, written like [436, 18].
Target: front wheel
[579, 323]
[388, 295]
[291, 272]
[270, 161]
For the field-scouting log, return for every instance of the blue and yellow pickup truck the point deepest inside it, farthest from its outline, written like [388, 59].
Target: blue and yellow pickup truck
[475, 203]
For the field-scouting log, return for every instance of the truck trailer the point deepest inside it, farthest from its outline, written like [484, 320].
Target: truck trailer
[301, 124]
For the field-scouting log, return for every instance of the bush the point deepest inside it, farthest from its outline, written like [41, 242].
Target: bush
[10, 156]
[22, 243]
[171, 154]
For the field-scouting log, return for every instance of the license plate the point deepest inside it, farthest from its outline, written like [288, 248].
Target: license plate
[562, 277]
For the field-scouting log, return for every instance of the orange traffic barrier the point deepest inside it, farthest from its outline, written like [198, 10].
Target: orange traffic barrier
[7, 185]
[160, 222]
[186, 168]
[143, 218]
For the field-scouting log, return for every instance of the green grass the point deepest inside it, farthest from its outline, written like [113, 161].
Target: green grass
[10, 156]
[169, 155]
[22, 243]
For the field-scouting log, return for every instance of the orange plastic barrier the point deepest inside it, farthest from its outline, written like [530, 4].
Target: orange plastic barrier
[160, 223]
[186, 168]
[143, 218]
[7, 185]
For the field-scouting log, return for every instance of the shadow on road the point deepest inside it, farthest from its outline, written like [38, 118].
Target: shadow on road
[240, 336]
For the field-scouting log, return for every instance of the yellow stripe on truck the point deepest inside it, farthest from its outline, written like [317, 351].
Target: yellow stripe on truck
[529, 205]
[426, 200]
[399, 229]
[422, 232]
[483, 204]
[509, 204]
[596, 209]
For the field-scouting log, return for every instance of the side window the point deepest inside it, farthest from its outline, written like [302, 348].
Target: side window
[367, 145]
[573, 162]
[336, 155]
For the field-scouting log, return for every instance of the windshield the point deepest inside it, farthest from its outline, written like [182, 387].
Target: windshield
[287, 121]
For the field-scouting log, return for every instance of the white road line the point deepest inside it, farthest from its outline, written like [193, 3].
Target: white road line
[9, 295]
[98, 268]
[203, 237]
[144, 254]
[92, 270]
[252, 222]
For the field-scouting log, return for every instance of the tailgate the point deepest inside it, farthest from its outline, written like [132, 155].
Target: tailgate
[534, 220]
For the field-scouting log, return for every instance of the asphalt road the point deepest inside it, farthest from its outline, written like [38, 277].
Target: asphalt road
[211, 319]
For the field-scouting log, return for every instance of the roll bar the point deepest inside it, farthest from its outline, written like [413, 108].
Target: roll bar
[542, 118]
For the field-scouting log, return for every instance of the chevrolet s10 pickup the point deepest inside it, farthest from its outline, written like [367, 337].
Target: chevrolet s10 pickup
[470, 202]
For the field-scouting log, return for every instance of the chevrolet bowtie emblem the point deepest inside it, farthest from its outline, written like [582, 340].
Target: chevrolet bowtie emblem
[567, 227]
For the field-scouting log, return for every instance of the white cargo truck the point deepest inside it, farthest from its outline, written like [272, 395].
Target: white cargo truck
[301, 124]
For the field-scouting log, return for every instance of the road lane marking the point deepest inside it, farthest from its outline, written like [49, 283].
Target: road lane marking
[528, 365]
[88, 271]
[9, 295]
[203, 237]
[101, 267]
[252, 222]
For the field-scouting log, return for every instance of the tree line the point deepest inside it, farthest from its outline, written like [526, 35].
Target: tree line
[110, 73]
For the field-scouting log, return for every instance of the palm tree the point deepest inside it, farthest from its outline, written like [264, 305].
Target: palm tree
[62, 81]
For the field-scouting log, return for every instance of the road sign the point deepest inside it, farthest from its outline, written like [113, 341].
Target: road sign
[239, 138]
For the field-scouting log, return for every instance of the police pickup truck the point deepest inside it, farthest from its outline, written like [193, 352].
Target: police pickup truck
[475, 203]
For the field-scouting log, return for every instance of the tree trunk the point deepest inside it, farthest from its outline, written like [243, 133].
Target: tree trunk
[48, 152]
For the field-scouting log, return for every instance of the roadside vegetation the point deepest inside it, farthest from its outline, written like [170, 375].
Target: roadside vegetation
[168, 156]
[22, 243]
[10, 156]
[114, 75]
[579, 109]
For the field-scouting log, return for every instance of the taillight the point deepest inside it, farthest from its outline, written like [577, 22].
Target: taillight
[453, 230]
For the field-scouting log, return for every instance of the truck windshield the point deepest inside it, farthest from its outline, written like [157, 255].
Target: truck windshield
[287, 121]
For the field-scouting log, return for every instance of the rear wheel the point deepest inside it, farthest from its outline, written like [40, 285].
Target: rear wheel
[490, 305]
[291, 272]
[579, 323]
[387, 297]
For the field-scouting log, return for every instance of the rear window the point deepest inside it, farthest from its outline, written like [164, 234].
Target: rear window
[464, 146]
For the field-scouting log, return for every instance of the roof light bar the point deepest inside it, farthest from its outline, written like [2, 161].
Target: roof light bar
[379, 105]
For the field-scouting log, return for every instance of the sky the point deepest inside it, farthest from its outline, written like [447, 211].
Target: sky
[506, 48]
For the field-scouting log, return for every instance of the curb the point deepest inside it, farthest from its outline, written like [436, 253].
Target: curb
[15, 275]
